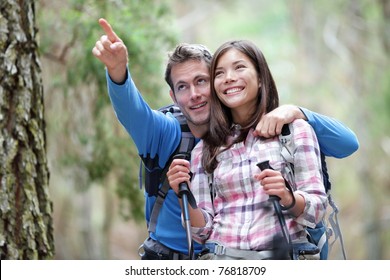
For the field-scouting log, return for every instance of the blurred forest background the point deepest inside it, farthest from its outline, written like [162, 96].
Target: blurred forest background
[329, 56]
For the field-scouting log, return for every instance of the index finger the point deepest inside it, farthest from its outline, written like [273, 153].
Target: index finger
[109, 31]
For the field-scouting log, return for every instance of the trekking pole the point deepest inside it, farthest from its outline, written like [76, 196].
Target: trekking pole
[275, 201]
[187, 198]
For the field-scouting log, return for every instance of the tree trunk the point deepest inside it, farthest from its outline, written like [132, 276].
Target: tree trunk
[26, 226]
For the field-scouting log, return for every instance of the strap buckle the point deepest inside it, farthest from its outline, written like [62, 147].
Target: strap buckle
[216, 249]
[219, 249]
[141, 250]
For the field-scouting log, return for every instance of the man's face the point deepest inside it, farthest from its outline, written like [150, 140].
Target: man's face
[191, 82]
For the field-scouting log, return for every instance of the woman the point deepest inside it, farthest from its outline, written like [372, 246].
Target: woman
[237, 220]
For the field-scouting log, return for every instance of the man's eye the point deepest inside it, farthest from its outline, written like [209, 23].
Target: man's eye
[202, 81]
[181, 88]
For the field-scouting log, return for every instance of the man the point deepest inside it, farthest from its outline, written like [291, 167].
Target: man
[157, 135]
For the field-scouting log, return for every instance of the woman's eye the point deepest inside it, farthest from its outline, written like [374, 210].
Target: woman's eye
[218, 73]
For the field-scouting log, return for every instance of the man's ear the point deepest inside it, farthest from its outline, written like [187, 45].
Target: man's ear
[172, 96]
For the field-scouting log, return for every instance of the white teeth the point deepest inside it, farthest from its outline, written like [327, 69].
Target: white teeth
[198, 106]
[233, 90]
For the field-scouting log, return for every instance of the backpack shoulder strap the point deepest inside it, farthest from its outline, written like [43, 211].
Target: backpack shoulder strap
[187, 143]
[287, 149]
[332, 217]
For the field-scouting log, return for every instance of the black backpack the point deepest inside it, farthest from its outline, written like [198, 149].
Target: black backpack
[154, 176]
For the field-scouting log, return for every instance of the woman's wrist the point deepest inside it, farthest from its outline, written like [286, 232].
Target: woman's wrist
[289, 204]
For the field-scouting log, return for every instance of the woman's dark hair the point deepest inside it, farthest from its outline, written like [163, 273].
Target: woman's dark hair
[221, 120]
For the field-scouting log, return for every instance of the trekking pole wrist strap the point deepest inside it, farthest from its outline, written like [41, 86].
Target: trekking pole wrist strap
[284, 208]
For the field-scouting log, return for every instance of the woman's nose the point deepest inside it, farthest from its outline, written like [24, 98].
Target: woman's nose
[229, 76]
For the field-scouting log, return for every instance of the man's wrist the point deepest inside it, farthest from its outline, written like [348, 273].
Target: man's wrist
[118, 77]
[301, 114]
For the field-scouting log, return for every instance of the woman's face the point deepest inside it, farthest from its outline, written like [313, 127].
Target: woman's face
[236, 82]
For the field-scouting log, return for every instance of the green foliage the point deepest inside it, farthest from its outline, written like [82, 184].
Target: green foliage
[67, 38]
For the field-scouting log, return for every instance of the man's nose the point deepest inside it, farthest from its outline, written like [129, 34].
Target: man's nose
[194, 92]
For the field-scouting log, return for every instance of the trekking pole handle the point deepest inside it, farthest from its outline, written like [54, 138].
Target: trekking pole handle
[184, 190]
[265, 165]
[183, 186]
